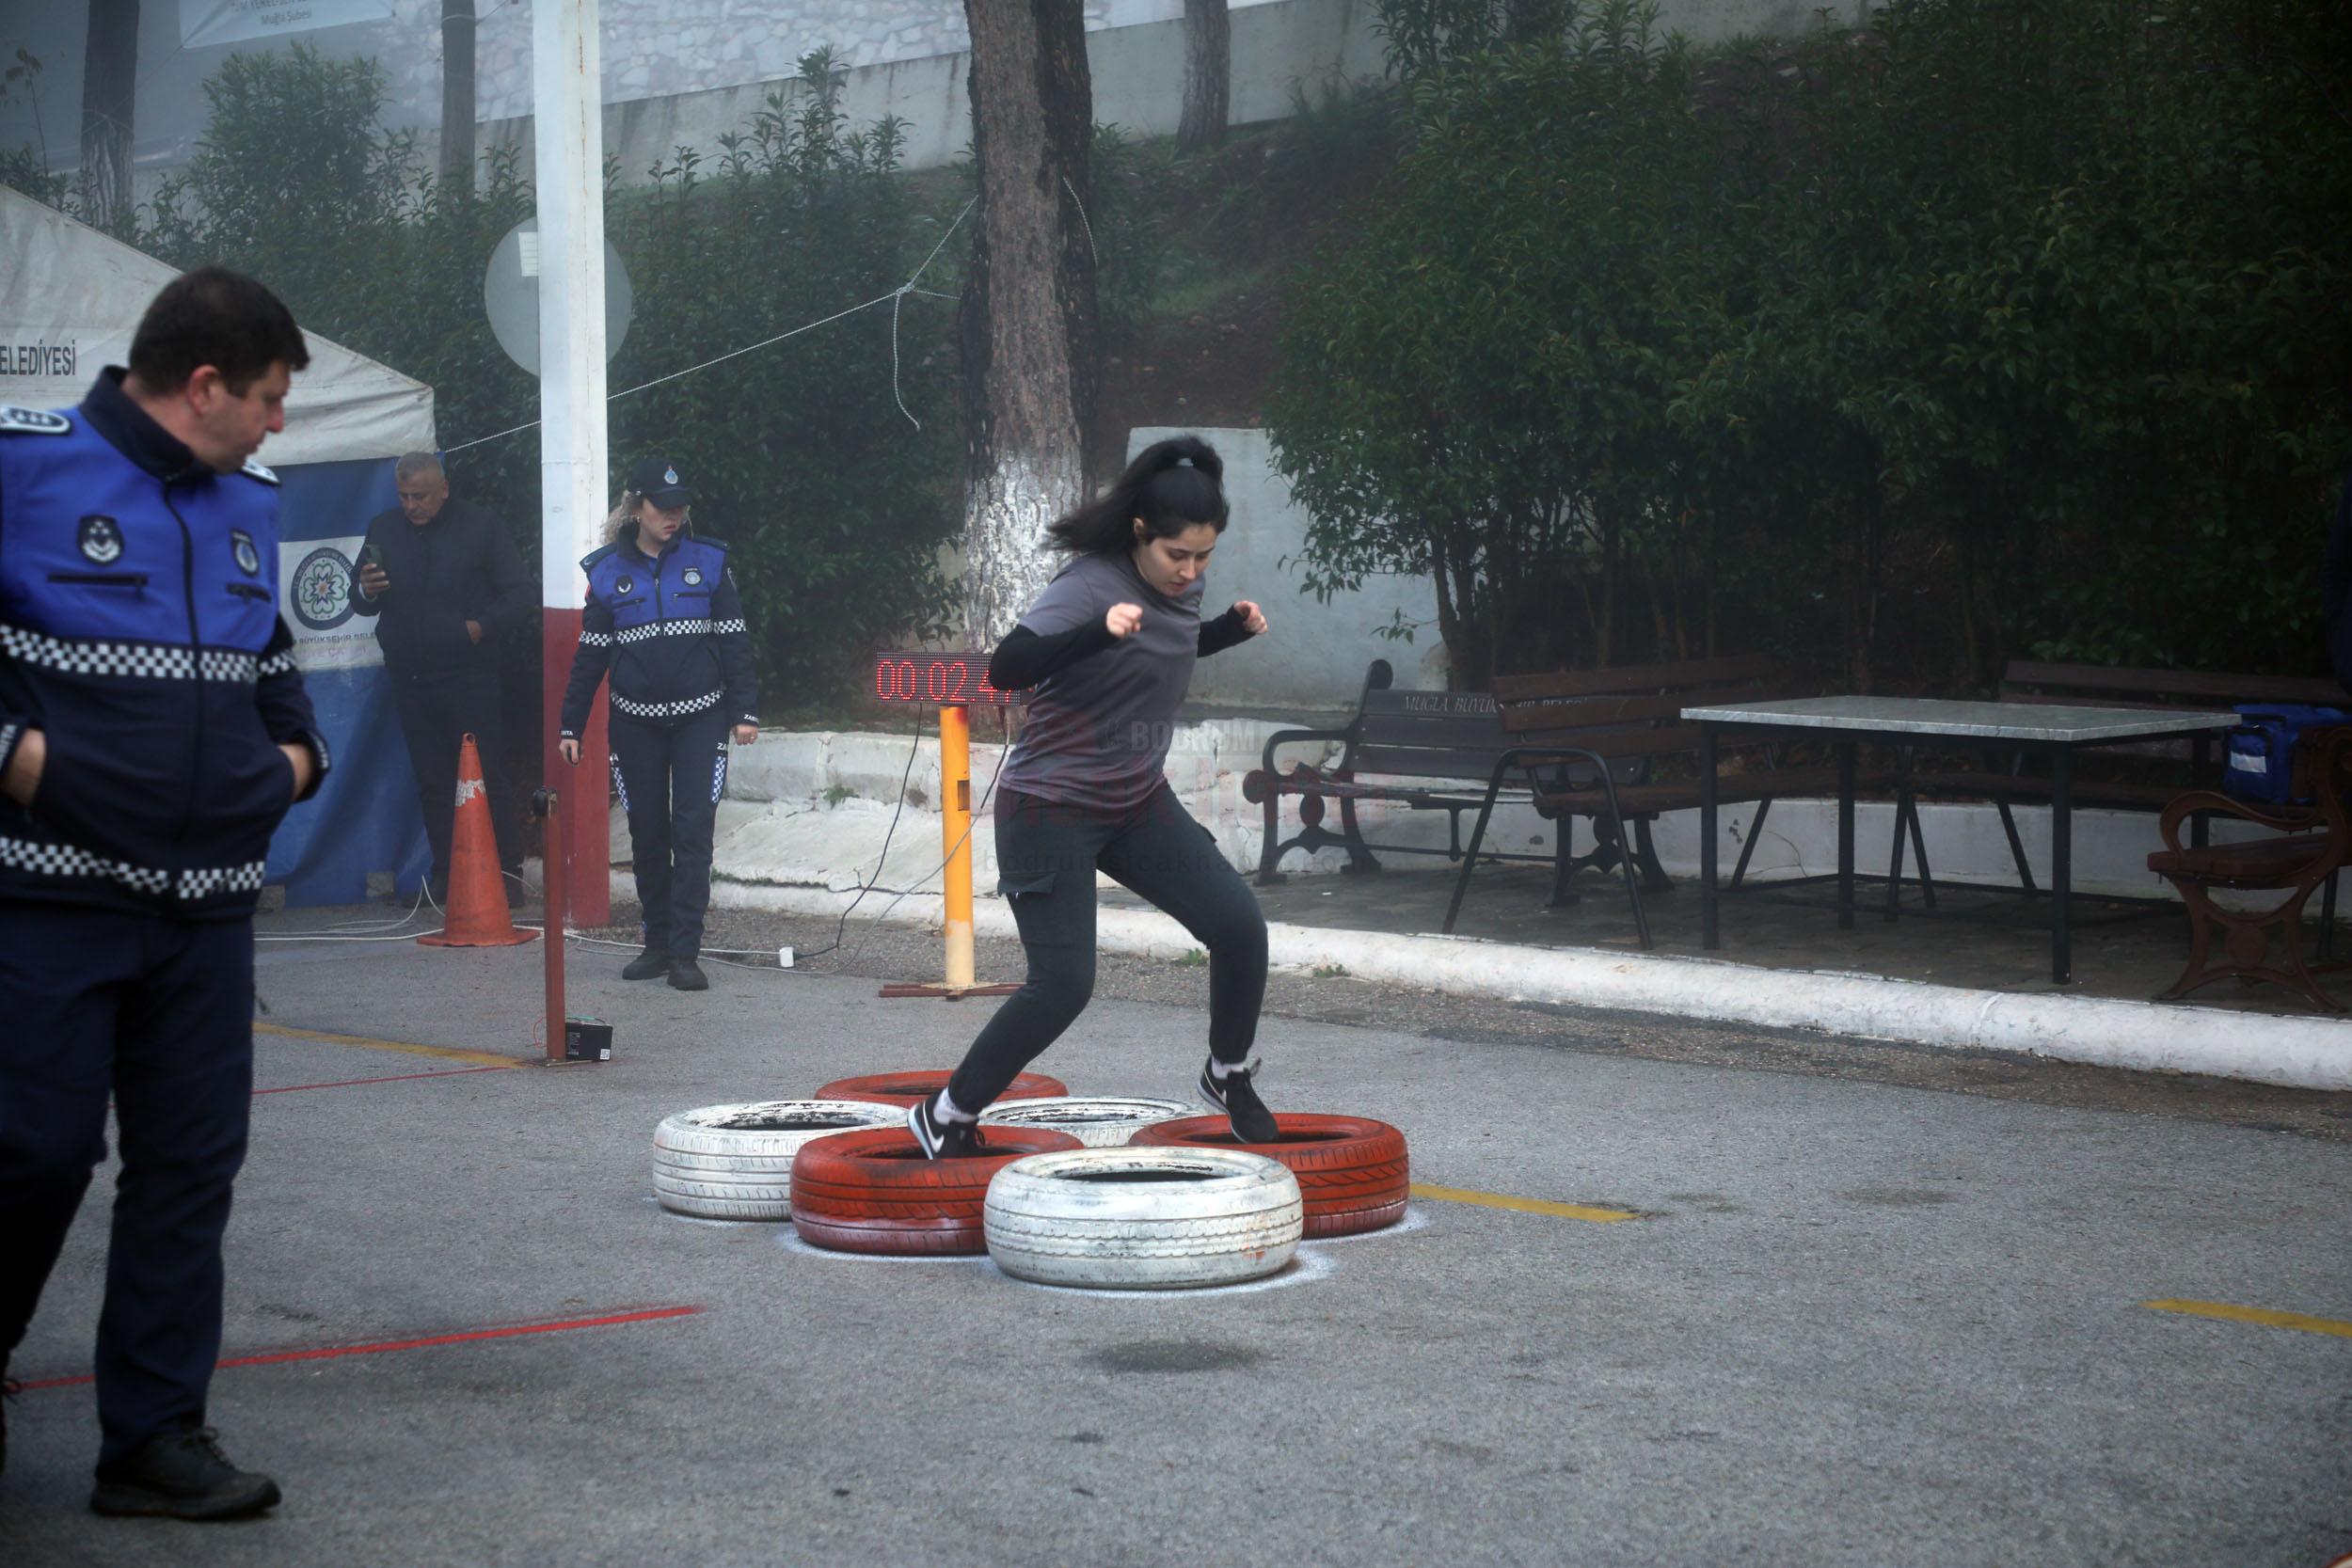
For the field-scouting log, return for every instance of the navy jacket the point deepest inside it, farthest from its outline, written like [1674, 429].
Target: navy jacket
[670, 630]
[139, 632]
[459, 567]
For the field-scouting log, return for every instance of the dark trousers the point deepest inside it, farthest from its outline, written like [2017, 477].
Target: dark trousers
[1046, 857]
[437, 713]
[670, 779]
[159, 1014]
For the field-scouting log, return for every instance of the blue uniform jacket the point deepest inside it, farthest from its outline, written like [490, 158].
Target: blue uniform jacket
[670, 630]
[139, 632]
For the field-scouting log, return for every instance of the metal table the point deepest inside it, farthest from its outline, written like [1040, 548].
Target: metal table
[2056, 731]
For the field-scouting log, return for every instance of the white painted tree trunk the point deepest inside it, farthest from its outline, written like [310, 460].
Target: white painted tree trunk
[1027, 321]
[1006, 562]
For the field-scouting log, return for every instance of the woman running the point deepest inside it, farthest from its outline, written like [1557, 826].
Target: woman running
[662, 615]
[1109, 648]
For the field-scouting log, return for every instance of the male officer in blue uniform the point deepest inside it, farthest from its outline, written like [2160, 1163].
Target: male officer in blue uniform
[663, 616]
[153, 732]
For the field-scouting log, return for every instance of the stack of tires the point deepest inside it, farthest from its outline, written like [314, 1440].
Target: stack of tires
[1106, 1192]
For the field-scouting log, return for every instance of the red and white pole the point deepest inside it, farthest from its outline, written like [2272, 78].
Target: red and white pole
[568, 140]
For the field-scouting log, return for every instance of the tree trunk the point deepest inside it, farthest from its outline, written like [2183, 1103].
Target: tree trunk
[457, 98]
[110, 69]
[1027, 319]
[1208, 75]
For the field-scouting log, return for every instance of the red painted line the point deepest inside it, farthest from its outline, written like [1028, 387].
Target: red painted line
[378, 1347]
[395, 1078]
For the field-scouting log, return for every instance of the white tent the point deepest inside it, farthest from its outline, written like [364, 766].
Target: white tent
[70, 296]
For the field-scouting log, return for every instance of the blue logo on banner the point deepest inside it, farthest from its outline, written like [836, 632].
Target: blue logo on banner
[322, 588]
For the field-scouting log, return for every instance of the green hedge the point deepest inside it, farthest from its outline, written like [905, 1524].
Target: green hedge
[1991, 328]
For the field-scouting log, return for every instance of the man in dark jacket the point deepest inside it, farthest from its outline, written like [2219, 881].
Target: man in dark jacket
[446, 585]
[154, 730]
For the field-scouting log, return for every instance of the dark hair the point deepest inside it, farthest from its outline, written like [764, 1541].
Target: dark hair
[1171, 485]
[213, 316]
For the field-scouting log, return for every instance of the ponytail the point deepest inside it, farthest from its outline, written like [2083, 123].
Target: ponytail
[1171, 485]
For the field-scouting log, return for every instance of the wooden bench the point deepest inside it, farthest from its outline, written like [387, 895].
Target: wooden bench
[2125, 783]
[1631, 720]
[1425, 751]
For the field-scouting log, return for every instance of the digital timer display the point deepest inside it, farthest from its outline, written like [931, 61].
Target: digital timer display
[952, 680]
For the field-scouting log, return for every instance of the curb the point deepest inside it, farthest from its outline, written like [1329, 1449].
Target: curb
[2295, 1052]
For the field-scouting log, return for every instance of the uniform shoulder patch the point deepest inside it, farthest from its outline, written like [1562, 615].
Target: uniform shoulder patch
[32, 421]
[718, 544]
[588, 562]
[255, 471]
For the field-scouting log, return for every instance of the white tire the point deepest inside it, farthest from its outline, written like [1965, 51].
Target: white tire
[735, 1162]
[1098, 1121]
[1143, 1219]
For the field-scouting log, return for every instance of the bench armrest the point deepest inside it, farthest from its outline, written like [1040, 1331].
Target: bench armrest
[1290, 738]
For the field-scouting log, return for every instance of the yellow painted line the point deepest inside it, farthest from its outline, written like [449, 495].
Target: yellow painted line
[1523, 1205]
[446, 1052]
[2256, 1315]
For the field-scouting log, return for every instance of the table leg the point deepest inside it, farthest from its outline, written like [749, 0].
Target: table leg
[1710, 935]
[2061, 865]
[1845, 836]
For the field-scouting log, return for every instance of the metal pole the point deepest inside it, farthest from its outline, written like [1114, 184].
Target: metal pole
[546, 804]
[954, 828]
[568, 142]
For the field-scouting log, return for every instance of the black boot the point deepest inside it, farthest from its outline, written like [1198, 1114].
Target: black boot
[686, 975]
[182, 1475]
[649, 965]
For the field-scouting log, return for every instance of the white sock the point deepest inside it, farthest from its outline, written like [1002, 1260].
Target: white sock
[945, 1109]
[1218, 1070]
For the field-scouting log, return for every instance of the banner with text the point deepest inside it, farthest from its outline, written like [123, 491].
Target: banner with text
[207, 22]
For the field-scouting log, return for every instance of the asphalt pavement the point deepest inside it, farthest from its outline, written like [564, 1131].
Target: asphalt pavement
[1872, 1305]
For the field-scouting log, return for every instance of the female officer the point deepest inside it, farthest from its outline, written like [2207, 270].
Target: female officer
[1109, 647]
[664, 617]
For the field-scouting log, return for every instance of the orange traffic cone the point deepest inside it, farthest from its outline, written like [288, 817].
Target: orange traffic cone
[477, 914]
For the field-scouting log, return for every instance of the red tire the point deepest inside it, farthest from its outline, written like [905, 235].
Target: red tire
[905, 1089]
[873, 1190]
[1352, 1171]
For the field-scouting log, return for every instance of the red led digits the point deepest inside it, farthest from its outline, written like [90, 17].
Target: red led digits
[947, 679]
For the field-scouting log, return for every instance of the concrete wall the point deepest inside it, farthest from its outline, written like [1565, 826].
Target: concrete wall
[1137, 80]
[776, 825]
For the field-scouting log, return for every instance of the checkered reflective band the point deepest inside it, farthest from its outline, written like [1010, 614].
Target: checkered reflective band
[665, 710]
[719, 774]
[280, 663]
[620, 785]
[595, 640]
[136, 661]
[67, 860]
[723, 628]
[652, 629]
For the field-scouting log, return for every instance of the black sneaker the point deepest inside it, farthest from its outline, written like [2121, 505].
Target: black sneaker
[182, 1475]
[943, 1140]
[1234, 1095]
[650, 964]
[686, 975]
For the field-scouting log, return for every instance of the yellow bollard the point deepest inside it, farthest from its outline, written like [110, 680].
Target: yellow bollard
[955, 829]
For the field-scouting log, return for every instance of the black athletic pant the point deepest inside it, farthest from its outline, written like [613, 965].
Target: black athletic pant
[437, 713]
[670, 778]
[1046, 857]
[157, 1015]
